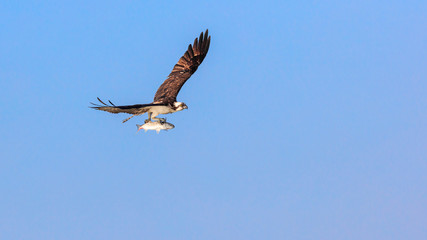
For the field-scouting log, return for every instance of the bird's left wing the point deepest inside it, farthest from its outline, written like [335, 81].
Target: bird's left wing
[183, 70]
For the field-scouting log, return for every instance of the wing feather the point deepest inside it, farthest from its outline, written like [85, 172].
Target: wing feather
[183, 70]
[101, 101]
[130, 109]
[190, 51]
[111, 103]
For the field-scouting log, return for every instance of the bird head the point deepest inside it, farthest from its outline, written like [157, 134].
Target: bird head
[180, 106]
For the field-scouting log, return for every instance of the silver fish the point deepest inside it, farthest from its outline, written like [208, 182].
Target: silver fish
[155, 126]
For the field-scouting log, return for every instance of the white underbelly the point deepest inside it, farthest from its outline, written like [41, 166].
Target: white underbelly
[161, 110]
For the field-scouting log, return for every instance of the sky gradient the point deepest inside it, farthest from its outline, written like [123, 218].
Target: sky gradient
[306, 120]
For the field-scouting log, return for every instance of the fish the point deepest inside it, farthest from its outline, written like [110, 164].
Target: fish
[155, 126]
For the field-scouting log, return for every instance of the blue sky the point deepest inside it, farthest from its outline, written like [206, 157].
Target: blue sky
[307, 120]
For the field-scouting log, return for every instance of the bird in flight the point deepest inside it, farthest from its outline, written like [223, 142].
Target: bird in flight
[165, 99]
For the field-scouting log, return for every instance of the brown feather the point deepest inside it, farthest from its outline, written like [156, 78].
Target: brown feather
[195, 44]
[136, 109]
[101, 101]
[183, 70]
[187, 56]
[190, 51]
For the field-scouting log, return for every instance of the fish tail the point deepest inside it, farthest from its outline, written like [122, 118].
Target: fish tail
[138, 127]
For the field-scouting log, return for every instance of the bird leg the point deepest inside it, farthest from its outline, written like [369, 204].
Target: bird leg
[160, 120]
[149, 118]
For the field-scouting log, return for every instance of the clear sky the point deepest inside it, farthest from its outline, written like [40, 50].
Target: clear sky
[307, 120]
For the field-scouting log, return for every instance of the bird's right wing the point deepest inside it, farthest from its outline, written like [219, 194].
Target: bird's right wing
[131, 109]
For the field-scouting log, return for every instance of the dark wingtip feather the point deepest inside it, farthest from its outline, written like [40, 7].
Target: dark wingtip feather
[200, 40]
[201, 36]
[111, 103]
[101, 101]
[195, 44]
[96, 105]
[190, 50]
[208, 44]
[206, 36]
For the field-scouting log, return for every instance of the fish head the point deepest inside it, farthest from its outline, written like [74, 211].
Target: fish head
[168, 126]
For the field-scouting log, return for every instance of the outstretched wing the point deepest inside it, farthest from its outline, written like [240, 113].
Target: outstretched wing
[183, 70]
[131, 109]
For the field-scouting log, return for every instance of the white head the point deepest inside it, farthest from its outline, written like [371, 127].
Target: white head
[180, 106]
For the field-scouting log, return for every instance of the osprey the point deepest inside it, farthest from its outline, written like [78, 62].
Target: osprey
[165, 99]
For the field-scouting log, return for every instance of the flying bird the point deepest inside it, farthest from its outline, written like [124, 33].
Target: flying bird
[165, 98]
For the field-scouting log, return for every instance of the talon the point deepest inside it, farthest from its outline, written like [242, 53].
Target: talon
[147, 120]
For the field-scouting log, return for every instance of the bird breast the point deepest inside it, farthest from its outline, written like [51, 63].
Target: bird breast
[161, 110]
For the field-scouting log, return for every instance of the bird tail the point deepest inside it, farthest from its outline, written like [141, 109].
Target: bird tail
[128, 119]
